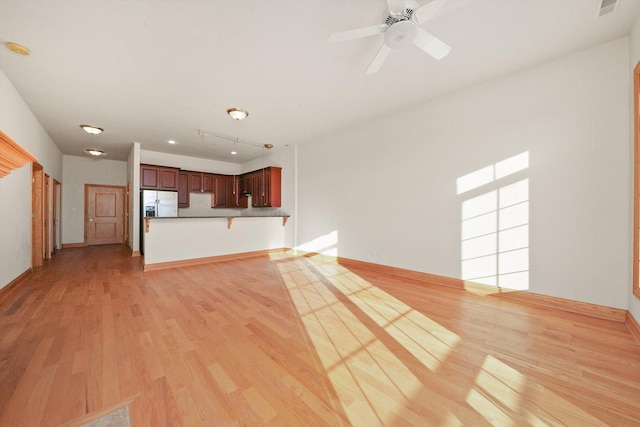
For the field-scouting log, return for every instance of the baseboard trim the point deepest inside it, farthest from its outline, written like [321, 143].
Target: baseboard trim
[135, 254]
[633, 326]
[73, 245]
[14, 284]
[208, 260]
[588, 309]
[522, 297]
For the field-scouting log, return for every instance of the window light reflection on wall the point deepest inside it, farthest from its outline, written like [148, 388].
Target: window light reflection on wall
[495, 226]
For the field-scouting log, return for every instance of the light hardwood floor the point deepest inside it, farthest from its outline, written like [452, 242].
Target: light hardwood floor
[297, 341]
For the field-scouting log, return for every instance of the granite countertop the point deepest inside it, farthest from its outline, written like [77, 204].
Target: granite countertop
[221, 216]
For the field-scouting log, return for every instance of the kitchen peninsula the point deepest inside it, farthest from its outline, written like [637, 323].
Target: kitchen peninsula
[201, 231]
[180, 241]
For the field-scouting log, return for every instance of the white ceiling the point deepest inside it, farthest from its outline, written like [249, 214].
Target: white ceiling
[150, 71]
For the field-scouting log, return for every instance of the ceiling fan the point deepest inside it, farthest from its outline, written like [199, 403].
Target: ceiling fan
[401, 28]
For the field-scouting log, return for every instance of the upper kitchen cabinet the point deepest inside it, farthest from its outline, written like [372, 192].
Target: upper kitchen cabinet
[158, 177]
[233, 185]
[200, 182]
[220, 196]
[183, 190]
[226, 192]
[264, 185]
[208, 182]
[195, 181]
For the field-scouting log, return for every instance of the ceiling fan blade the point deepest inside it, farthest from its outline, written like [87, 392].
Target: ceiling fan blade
[379, 59]
[428, 11]
[430, 44]
[396, 7]
[358, 33]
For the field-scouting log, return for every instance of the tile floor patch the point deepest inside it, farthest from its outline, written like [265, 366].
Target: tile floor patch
[117, 418]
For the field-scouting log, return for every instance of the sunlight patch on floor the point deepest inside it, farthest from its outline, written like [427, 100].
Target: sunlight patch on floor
[503, 395]
[373, 385]
[427, 340]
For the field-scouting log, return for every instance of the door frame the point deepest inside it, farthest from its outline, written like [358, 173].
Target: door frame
[86, 200]
[46, 208]
[127, 223]
[37, 217]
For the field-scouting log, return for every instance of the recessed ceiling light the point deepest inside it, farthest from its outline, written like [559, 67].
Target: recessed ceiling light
[237, 113]
[171, 141]
[234, 152]
[17, 48]
[93, 130]
[94, 152]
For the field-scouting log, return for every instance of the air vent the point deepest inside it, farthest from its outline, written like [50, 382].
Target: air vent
[607, 6]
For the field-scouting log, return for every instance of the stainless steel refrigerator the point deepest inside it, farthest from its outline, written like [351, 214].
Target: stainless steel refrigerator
[155, 203]
[159, 203]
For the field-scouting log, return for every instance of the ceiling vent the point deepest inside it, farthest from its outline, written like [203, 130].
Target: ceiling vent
[606, 7]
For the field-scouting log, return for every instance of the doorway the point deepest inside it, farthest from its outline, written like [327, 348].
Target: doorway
[55, 221]
[104, 214]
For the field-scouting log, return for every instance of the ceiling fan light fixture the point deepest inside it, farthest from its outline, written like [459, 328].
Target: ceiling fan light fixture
[95, 152]
[93, 130]
[237, 113]
[400, 34]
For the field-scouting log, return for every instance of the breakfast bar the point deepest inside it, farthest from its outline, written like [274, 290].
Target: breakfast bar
[180, 241]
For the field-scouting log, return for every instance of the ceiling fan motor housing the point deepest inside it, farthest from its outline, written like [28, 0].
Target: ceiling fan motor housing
[405, 16]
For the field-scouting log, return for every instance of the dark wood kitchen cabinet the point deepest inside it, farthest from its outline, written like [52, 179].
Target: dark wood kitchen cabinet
[227, 192]
[158, 177]
[257, 189]
[208, 182]
[220, 196]
[264, 185]
[200, 182]
[183, 190]
[195, 181]
[233, 183]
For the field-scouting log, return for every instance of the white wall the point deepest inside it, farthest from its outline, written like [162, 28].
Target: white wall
[133, 178]
[188, 163]
[200, 205]
[387, 189]
[17, 121]
[634, 58]
[79, 171]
